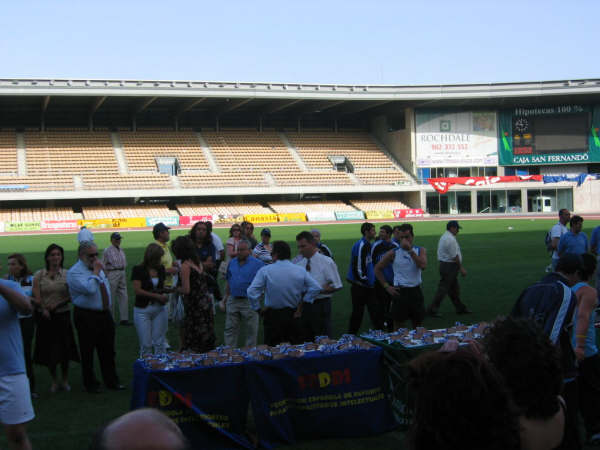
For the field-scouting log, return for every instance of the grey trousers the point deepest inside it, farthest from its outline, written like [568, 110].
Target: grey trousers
[238, 311]
[118, 293]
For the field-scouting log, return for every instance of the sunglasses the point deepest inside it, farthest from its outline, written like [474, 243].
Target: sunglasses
[92, 255]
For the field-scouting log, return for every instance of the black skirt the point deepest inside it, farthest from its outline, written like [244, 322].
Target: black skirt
[54, 340]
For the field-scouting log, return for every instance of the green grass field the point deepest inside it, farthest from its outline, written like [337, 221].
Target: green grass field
[502, 256]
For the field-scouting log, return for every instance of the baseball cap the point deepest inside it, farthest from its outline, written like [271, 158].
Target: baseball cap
[265, 232]
[116, 235]
[160, 227]
[453, 223]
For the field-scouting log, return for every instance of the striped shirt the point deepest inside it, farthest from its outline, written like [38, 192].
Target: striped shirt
[113, 258]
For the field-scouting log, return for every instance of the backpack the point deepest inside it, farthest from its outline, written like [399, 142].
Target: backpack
[548, 242]
[551, 304]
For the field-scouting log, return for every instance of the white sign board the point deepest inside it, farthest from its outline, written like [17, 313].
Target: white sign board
[456, 139]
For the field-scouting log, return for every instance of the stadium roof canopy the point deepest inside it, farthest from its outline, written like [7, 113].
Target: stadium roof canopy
[24, 101]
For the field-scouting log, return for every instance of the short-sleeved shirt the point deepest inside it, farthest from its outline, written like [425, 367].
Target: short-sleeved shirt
[218, 243]
[240, 277]
[26, 284]
[556, 232]
[85, 235]
[324, 270]
[11, 342]
[263, 253]
[573, 243]
[167, 262]
[448, 248]
[53, 290]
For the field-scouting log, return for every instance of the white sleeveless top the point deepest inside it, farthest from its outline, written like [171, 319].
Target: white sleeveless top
[406, 272]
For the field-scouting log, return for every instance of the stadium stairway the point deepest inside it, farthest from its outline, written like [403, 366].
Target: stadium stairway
[384, 149]
[212, 162]
[119, 154]
[21, 155]
[293, 152]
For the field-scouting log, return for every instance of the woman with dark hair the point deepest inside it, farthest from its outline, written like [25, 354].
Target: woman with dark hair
[530, 365]
[462, 403]
[20, 273]
[199, 320]
[206, 250]
[149, 313]
[231, 250]
[54, 340]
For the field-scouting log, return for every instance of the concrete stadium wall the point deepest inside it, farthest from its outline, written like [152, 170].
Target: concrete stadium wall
[586, 198]
[399, 143]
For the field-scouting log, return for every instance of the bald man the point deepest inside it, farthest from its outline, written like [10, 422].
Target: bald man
[142, 429]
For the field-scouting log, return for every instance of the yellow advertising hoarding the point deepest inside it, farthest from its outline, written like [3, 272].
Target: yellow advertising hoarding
[261, 218]
[292, 217]
[379, 214]
[121, 222]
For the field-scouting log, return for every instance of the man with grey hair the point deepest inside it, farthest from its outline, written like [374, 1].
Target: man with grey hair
[240, 273]
[323, 249]
[144, 428]
[90, 293]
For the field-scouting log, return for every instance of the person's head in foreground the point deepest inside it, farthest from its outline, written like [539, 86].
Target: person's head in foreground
[145, 428]
[461, 403]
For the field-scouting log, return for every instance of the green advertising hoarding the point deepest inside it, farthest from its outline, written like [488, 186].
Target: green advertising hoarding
[561, 134]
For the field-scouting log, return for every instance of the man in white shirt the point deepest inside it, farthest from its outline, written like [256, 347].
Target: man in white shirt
[450, 259]
[85, 235]
[556, 233]
[316, 317]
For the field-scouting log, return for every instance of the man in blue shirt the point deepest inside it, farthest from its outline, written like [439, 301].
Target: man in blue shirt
[90, 293]
[285, 287]
[361, 276]
[573, 241]
[240, 274]
[15, 398]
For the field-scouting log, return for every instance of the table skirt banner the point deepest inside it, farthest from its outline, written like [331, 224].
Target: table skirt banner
[190, 220]
[322, 396]
[385, 214]
[261, 218]
[407, 213]
[320, 216]
[349, 215]
[292, 217]
[210, 405]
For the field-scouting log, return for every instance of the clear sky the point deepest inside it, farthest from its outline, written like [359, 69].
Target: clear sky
[354, 42]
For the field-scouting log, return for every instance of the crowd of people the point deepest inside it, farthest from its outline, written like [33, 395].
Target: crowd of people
[179, 280]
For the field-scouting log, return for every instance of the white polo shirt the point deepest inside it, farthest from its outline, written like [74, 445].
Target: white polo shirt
[556, 232]
[324, 270]
[448, 248]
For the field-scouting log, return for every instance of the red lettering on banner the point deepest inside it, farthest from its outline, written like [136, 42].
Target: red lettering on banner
[187, 400]
[442, 185]
[324, 379]
[404, 213]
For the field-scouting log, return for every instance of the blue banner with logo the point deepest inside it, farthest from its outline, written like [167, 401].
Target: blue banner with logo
[319, 396]
[210, 405]
[349, 215]
[170, 221]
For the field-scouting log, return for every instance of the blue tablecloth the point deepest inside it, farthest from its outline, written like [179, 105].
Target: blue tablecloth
[312, 397]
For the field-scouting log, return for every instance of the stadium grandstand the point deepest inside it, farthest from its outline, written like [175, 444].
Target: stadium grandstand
[78, 150]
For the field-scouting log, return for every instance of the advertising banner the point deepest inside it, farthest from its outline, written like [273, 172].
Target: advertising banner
[22, 226]
[443, 184]
[320, 216]
[59, 225]
[406, 213]
[559, 134]
[228, 218]
[316, 397]
[261, 218]
[95, 223]
[349, 215]
[1, 227]
[129, 222]
[389, 214]
[292, 217]
[170, 221]
[456, 138]
[190, 220]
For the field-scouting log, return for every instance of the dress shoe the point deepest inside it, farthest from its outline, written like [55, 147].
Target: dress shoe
[117, 387]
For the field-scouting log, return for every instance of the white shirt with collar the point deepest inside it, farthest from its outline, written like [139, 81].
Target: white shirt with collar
[448, 248]
[324, 270]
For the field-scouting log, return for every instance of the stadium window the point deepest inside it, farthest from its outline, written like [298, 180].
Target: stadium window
[464, 171]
